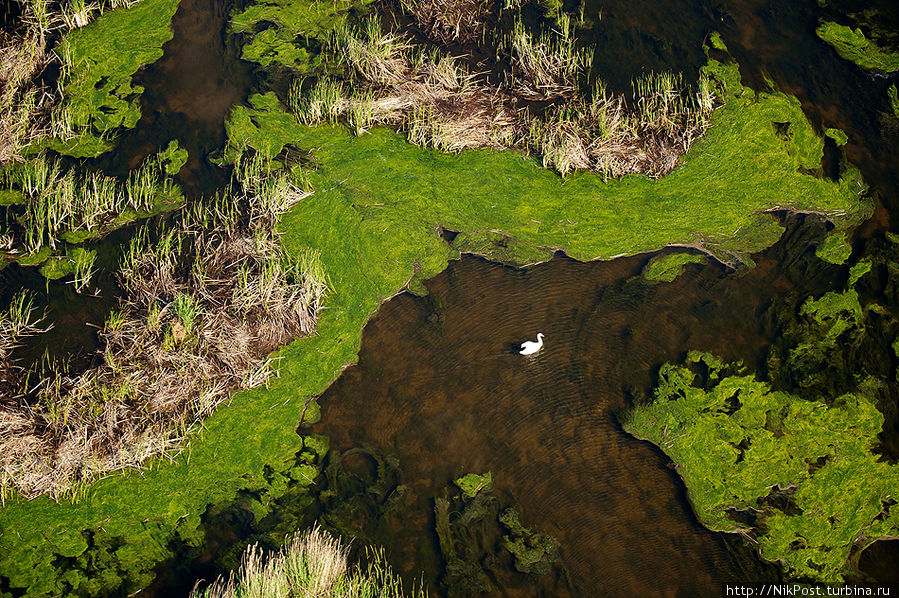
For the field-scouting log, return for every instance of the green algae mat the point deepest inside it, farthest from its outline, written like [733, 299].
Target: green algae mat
[375, 217]
[103, 57]
[735, 441]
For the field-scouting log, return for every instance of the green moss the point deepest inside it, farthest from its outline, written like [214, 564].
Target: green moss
[173, 158]
[838, 135]
[56, 267]
[473, 483]
[716, 42]
[667, 267]
[894, 99]
[851, 44]
[99, 96]
[735, 440]
[288, 27]
[858, 270]
[11, 197]
[500, 247]
[834, 249]
[377, 205]
[534, 552]
[35, 259]
[760, 232]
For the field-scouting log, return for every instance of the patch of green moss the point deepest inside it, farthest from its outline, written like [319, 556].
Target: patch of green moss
[534, 552]
[376, 205]
[173, 158]
[894, 99]
[35, 259]
[667, 267]
[473, 483]
[11, 197]
[851, 44]
[56, 267]
[500, 247]
[98, 92]
[838, 135]
[858, 270]
[762, 231]
[834, 249]
[735, 440]
[278, 31]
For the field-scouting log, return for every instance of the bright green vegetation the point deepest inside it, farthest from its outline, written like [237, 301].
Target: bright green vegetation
[894, 99]
[838, 135]
[737, 443]
[834, 249]
[99, 61]
[667, 267]
[173, 158]
[292, 24]
[473, 483]
[374, 216]
[851, 44]
[312, 563]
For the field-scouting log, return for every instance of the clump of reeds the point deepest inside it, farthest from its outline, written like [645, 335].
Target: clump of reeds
[547, 65]
[439, 103]
[433, 98]
[312, 564]
[205, 303]
[447, 21]
[59, 201]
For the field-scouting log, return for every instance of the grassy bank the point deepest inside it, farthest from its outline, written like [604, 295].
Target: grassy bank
[373, 217]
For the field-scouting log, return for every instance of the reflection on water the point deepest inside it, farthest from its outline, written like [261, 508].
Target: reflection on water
[439, 386]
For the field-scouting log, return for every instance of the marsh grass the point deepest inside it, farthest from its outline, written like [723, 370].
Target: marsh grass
[312, 564]
[205, 302]
[438, 102]
[447, 21]
[59, 201]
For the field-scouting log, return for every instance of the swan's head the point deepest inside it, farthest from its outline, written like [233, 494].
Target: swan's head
[539, 336]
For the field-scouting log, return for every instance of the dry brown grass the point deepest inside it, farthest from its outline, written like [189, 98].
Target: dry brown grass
[312, 564]
[22, 101]
[447, 21]
[439, 103]
[203, 308]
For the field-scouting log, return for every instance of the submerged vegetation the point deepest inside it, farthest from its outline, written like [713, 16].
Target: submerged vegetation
[852, 45]
[798, 476]
[311, 564]
[794, 457]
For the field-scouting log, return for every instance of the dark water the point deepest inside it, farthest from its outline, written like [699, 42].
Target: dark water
[188, 95]
[438, 386]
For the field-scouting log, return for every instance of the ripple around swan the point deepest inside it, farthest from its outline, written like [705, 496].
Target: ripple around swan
[439, 385]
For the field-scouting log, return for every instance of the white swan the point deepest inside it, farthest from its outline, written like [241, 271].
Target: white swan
[531, 347]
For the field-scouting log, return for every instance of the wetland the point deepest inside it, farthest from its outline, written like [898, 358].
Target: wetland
[266, 272]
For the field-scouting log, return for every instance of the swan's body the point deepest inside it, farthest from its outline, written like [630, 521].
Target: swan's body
[531, 347]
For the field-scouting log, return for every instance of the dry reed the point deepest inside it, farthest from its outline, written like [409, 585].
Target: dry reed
[202, 310]
[439, 103]
[312, 564]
